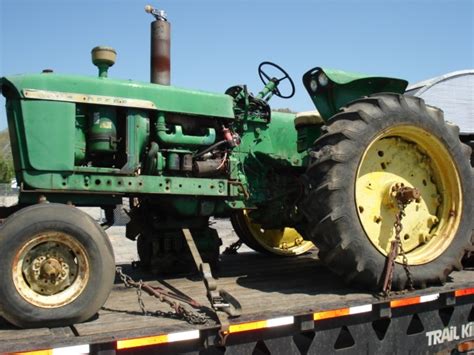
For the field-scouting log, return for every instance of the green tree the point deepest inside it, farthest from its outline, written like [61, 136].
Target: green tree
[6, 170]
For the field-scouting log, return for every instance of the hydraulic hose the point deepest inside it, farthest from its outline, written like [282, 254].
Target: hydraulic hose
[210, 148]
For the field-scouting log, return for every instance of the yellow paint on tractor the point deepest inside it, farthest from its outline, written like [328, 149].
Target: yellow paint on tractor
[286, 241]
[410, 156]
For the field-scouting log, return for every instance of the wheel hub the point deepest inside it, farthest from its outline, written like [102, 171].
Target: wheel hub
[52, 270]
[396, 192]
[404, 194]
[405, 164]
[46, 268]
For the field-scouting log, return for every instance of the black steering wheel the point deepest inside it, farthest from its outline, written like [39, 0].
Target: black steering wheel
[266, 78]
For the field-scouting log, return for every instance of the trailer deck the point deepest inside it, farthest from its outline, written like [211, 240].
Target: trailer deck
[267, 288]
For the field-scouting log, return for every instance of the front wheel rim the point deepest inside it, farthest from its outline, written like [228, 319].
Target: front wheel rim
[51, 270]
[413, 157]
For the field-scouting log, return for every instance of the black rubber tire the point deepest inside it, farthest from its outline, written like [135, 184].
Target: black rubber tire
[242, 230]
[330, 207]
[468, 260]
[25, 224]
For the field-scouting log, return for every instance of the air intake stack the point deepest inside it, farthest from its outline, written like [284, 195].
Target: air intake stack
[160, 49]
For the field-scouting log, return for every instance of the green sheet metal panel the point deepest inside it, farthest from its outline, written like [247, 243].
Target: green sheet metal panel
[106, 183]
[340, 88]
[163, 98]
[271, 144]
[50, 132]
[283, 139]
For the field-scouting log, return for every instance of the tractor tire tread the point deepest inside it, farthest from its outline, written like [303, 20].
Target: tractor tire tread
[331, 229]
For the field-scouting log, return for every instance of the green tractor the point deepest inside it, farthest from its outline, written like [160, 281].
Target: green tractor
[372, 176]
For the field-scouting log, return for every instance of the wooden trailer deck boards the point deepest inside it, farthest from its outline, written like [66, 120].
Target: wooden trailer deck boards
[275, 294]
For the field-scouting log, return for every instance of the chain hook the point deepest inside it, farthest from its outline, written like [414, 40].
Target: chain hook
[179, 309]
[404, 196]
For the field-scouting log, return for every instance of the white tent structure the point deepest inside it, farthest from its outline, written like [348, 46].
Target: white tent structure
[454, 94]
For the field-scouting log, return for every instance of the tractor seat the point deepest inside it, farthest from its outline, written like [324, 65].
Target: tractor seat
[308, 118]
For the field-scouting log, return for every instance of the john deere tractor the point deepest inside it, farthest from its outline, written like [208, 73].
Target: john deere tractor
[371, 176]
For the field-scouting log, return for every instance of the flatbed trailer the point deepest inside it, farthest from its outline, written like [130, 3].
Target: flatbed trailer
[289, 306]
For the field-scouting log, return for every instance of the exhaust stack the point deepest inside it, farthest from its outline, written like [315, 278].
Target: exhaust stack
[160, 47]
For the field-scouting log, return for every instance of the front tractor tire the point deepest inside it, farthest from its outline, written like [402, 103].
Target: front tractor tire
[368, 149]
[57, 266]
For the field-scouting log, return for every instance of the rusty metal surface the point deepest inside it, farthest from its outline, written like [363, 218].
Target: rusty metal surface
[180, 303]
[389, 266]
[160, 46]
[405, 194]
[34, 262]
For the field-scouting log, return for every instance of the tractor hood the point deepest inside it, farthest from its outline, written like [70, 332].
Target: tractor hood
[332, 89]
[106, 91]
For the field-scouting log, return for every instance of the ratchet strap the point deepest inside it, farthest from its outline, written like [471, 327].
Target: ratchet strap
[224, 304]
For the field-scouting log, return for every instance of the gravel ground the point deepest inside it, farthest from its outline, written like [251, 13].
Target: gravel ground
[8, 200]
[125, 249]
[126, 252]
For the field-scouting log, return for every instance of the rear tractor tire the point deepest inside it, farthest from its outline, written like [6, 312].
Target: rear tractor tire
[368, 148]
[57, 266]
[279, 242]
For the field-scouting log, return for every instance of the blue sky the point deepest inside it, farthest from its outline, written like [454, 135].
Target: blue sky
[219, 43]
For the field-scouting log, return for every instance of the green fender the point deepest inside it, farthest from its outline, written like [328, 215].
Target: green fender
[332, 89]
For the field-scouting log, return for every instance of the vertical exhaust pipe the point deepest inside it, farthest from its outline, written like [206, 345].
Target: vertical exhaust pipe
[160, 47]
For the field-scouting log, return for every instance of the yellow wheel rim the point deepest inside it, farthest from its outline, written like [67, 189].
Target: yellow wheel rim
[51, 270]
[286, 241]
[410, 156]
